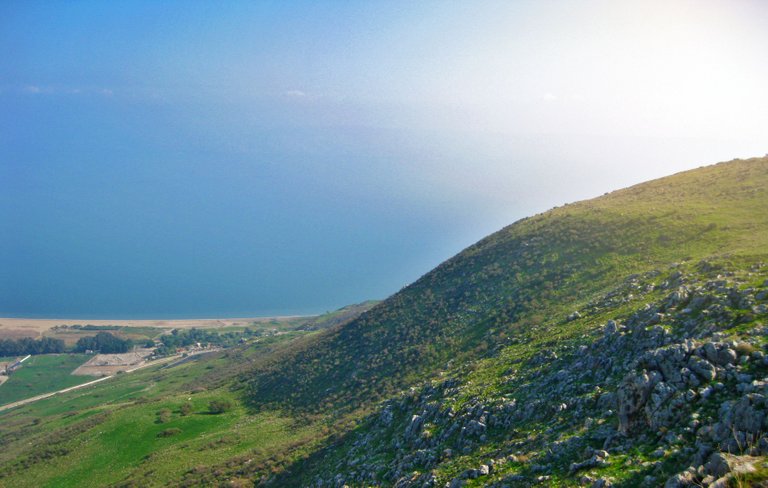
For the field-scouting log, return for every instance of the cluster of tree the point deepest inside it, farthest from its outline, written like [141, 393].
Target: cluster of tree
[183, 338]
[104, 343]
[26, 345]
[89, 327]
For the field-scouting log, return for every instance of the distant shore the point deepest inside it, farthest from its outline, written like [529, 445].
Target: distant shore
[22, 327]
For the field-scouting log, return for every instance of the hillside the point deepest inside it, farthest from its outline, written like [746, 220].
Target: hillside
[511, 332]
[338, 317]
[617, 340]
[533, 271]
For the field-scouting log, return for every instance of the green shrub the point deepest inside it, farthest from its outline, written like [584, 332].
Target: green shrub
[169, 432]
[163, 416]
[185, 408]
[219, 406]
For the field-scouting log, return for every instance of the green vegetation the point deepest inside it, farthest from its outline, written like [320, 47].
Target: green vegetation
[42, 374]
[90, 327]
[219, 406]
[103, 343]
[536, 269]
[163, 416]
[108, 433]
[169, 432]
[338, 317]
[182, 338]
[185, 408]
[511, 355]
[70, 334]
[26, 345]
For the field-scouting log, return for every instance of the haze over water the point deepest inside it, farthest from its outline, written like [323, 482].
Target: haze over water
[202, 160]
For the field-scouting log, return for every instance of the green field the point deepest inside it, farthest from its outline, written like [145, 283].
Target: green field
[70, 335]
[127, 443]
[110, 432]
[43, 374]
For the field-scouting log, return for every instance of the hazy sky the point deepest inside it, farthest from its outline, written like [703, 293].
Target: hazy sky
[249, 158]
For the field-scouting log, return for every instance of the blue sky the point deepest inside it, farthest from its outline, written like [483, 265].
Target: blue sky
[163, 159]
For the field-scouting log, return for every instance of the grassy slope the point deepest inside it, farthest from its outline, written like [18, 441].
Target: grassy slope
[553, 264]
[491, 307]
[535, 268]
[108, 434]
[340, 316]
[43, 374]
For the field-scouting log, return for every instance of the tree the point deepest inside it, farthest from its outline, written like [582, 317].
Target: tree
[163, 416]
[103, 342]
[185, 408]
[26, 345]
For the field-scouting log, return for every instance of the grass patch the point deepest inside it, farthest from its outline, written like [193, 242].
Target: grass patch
[43, 374]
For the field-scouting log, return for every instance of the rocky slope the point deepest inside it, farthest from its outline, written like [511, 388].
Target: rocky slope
[680, 381]
[615, 341]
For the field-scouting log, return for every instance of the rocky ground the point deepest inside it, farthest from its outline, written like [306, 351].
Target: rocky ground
[672, 393]
[108, 364]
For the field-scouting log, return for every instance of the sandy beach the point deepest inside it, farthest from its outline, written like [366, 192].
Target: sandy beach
[19, 327]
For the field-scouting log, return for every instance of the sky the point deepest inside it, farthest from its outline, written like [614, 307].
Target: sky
[230, 159]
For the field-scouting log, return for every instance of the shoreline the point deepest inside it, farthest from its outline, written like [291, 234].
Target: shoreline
[23, 326]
